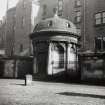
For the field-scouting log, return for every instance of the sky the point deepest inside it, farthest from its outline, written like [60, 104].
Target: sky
[3, 6]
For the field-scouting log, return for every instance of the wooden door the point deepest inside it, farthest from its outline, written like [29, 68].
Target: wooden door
[42, 63]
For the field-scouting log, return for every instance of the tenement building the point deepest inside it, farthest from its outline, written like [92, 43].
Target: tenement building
[27, 15]
[20, 21]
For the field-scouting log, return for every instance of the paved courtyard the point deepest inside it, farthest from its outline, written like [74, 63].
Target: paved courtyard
[14, 92]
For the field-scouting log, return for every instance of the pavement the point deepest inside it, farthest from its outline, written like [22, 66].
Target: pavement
[14, 92]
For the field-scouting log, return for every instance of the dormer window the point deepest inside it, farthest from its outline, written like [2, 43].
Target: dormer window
[68, 25]
[50, 23]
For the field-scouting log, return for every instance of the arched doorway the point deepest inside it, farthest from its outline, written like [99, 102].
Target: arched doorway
[58, 58]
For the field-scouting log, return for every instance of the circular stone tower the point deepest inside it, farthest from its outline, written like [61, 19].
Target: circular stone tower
[55, 42]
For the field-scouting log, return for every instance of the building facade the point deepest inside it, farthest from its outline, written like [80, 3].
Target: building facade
[89, 18]
[20, 21]
[87, 15]
[2, 36]
[28, 13]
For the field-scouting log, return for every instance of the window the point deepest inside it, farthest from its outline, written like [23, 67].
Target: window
[44, 10]
[103, 43]
[54, 10]
[60, 7]
[24, 3]
[77, 3]
[50, 23]
[21, 47]
[23, 22]
[103, 17]
[14, 28]
[100, 43]
[78, 17]
[100, 18]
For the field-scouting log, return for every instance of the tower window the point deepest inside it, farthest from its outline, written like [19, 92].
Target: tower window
[77, 3]
[98, 43]
[44, 10]
[24, 4]
[78, 16]
[60, 7]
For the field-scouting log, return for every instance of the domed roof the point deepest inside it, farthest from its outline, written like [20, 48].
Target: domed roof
[56, 24]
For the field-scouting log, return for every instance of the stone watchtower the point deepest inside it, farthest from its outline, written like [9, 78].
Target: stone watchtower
[55, 48]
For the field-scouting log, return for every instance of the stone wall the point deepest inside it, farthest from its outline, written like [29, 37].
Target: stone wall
[9, 69]
[92, 67]
[16, 68]
[23, 67]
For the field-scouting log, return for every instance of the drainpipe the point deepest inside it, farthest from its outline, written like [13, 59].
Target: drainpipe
[84, 19]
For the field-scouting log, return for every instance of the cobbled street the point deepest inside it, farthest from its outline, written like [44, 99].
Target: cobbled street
[14, 92]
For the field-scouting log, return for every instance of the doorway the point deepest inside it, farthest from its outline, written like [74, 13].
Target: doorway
[42, 63]
[58, 59]
[1, 69]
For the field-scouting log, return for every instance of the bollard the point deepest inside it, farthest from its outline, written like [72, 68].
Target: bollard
[28, 80]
